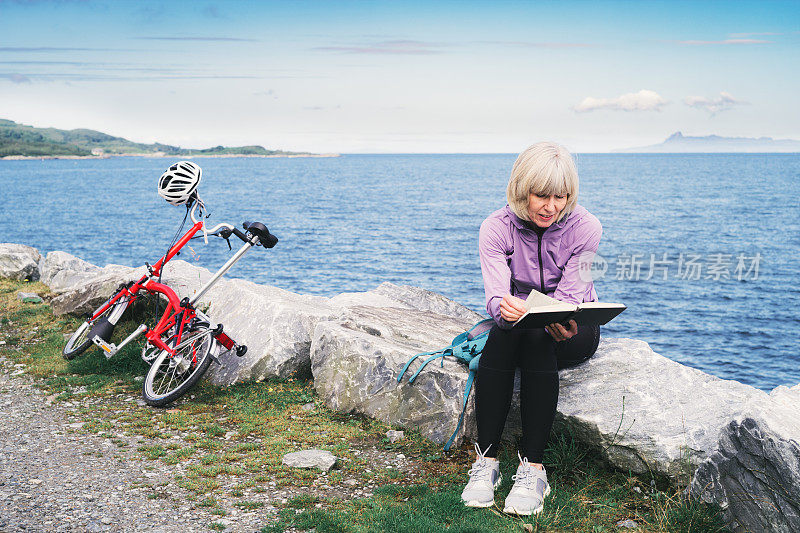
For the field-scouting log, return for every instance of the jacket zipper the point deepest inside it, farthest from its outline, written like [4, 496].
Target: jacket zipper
[541, 268]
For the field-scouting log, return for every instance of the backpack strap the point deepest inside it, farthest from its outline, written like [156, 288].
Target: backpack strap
[467, 390]
[478, 330]
[444, 353]
[471, 342]
[408, 364]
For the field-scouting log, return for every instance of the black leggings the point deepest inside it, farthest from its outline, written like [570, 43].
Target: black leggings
[539, 358]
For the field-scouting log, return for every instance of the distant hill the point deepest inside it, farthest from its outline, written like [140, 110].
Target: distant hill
[21, 140]
[679, 143]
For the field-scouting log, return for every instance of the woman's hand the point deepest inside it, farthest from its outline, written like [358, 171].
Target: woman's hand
[560, 333]
[511, 308]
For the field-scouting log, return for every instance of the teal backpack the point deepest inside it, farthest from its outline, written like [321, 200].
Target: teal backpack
[466, 348]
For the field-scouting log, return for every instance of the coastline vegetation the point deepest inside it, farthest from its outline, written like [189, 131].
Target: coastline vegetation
[229, 442]
[28, 141]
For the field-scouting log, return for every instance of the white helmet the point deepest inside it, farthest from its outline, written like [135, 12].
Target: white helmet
[179, 183]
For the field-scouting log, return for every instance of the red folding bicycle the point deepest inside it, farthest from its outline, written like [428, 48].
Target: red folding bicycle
[182, 345]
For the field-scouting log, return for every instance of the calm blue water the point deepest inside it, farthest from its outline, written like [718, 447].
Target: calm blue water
[350, 223]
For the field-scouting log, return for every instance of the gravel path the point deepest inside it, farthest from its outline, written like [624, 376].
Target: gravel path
[55, 477]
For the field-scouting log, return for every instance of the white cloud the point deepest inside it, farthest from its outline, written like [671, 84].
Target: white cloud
[751, 34]
[398, 46]
[715, 104]
[724, 41]
[644, 100]
[15, 78]
[532, 44]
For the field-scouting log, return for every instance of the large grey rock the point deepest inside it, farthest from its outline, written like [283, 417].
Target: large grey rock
[425, 300]
[186, 279]
[755, 473]
[97, 286]
[275, 324]
[61, 271]
[345, 300]
[356, 360]
[89, 294]
[647, 413]
[19, 262]
[642, 411]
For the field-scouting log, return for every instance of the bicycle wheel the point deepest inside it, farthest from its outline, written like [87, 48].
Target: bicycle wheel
[102, 325]
[171, 376]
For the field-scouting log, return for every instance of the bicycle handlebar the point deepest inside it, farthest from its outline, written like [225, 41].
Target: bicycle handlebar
[224, 230]
[257, 233]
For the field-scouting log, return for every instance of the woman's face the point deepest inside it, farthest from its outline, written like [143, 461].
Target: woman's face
[544, 210]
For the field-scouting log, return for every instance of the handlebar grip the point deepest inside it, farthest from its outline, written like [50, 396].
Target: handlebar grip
[267, 239]
[238, 233]
[271, 241]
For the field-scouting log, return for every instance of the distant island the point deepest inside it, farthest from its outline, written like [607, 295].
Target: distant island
[19, 141]
[679, 143]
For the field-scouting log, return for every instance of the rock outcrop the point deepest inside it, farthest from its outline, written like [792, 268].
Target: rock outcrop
[356, 360]
[645, 412]
[94, 285]
[90, 293]
[18, 261]
[754, 474]
[275, 325]
[425, 300]
[616, 402]
[61, 271]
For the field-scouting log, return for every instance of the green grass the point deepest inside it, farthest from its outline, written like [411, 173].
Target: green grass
[152, 452]
[249, 505]
[302, 501]
[589, 499]
[230, 441]
[578, 507]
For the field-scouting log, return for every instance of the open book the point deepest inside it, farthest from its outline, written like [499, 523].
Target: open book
[543, 310]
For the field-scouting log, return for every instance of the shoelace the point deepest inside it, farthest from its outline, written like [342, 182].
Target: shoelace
[526, 476]
[482, 469]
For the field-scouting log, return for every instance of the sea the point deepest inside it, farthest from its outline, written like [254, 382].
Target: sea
[704, 249]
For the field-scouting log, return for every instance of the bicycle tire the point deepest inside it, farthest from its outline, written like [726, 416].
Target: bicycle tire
[170, 377]
[81, 339]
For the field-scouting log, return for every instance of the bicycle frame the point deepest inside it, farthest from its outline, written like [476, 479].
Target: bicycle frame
[177, 313]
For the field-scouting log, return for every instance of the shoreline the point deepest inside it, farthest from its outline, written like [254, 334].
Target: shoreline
[157, 155]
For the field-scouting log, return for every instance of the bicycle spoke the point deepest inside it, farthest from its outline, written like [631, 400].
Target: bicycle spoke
[172, 374]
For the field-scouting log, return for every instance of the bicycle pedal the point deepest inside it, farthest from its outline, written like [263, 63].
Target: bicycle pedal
[109, 349]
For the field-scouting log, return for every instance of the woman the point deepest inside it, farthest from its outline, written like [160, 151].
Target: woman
[537, 242]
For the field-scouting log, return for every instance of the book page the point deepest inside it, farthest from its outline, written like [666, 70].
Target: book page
[537, 299]
[599, 305]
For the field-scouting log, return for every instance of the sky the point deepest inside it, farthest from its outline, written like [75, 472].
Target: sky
[403, 77]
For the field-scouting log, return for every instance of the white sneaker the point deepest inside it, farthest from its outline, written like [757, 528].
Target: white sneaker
[484, 477]
[529, 490]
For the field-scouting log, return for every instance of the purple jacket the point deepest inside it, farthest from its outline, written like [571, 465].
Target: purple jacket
[514, 259]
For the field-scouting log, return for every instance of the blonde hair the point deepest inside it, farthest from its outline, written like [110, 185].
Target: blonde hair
[545, 168]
